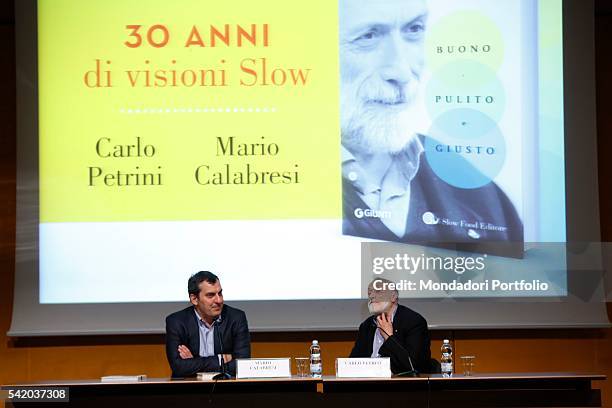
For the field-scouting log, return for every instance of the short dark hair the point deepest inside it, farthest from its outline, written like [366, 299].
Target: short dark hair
[193, 284]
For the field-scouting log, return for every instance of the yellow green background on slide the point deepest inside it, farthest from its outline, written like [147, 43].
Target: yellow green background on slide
[73, 34]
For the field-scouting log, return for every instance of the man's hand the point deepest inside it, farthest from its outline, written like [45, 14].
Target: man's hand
[184, 352]
[384, 323]
[227, 358]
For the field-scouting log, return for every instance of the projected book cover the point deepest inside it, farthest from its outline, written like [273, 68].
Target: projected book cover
[246, 136]
[432, 125]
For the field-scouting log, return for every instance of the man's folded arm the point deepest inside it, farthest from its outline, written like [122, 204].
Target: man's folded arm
[189, 366]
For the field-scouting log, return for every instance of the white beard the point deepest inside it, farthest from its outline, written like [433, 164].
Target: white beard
[384, 127]
[378, 307]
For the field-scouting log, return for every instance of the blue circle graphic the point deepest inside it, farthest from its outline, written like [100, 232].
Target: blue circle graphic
[465, 148]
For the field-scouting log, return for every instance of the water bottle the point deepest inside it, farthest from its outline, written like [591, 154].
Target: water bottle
[315, 360]
[447, 359]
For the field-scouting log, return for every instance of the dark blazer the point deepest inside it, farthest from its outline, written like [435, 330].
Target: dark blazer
[410, 330]
[428, 193]
[182, 328]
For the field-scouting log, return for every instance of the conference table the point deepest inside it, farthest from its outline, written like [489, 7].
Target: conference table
[478, 390]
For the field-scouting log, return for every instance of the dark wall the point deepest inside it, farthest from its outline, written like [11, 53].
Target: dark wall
[603, 73]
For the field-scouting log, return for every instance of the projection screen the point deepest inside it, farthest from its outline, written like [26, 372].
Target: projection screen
[158, 139]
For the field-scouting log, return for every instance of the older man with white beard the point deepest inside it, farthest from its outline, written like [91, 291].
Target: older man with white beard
[390, 192]
[393, 331]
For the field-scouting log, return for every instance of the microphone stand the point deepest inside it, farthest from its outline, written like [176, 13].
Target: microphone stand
[223, 375]
[412, 372]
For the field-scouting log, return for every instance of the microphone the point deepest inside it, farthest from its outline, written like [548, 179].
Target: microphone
[412, 372]
[223, 375]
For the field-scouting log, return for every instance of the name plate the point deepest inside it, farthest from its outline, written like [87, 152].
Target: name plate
[263, 367]
[363, 367]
